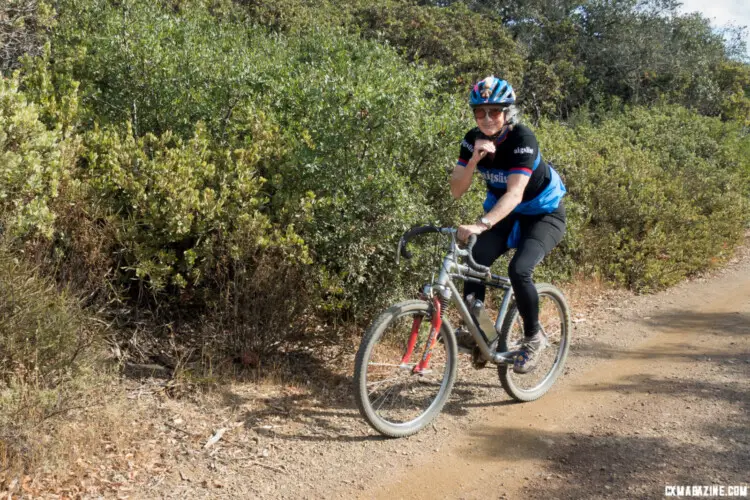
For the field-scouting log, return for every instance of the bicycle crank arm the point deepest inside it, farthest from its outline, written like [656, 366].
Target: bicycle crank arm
[504, 358]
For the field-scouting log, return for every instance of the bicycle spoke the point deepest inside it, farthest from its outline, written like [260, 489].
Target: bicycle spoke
[380, 382]
[388, 393]
[395, 400]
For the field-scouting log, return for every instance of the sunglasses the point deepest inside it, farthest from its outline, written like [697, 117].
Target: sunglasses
[494, 113]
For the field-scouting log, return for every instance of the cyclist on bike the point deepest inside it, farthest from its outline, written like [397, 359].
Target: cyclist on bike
[523, 208]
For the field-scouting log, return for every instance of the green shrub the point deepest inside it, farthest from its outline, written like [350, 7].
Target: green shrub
[181, 207]
[161, 68]
[371, 139]
[358, 153]
[34, 163]
[463, 45]
[315, 145]
[655, 195]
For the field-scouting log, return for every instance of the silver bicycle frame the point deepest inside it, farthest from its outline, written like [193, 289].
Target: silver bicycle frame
[447, 290]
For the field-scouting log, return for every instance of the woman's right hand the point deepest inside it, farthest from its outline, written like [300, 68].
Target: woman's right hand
[483, 147]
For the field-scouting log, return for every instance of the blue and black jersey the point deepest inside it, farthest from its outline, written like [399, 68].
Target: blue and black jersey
[516, 152]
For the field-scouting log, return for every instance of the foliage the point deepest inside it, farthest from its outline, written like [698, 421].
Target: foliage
[45, 334]
[468, 47]
[258, 161]
[180, 205]
[161, 71]
[658, 194]
[371, 145]
[22, 28]
[34, 163]
[353, 122]
[640, 51]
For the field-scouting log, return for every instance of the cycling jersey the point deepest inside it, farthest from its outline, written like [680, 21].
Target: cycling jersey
[516, 152]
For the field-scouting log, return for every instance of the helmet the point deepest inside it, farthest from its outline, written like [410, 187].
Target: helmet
[492, 90]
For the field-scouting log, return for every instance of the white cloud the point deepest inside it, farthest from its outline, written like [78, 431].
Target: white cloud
[721, 12]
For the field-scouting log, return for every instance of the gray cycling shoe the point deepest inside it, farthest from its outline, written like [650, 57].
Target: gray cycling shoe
[529, 353]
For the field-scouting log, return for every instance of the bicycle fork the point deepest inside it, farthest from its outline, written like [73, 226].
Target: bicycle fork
[421, 368]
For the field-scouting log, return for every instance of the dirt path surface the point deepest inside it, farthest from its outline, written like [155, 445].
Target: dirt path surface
[669, 408]
[656, 392]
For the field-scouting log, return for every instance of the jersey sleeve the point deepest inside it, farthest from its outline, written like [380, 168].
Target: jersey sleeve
[467, 150]
[525, 157]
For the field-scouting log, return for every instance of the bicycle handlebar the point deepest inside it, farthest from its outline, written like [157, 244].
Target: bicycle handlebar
[470, 256]
[416, 231]
[410, 234]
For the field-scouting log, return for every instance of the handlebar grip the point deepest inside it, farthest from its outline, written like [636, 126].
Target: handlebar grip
[470, 257]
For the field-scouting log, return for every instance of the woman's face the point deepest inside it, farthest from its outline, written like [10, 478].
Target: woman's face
[490, 118]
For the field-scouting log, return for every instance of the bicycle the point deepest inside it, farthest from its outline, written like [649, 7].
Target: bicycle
[408, 356]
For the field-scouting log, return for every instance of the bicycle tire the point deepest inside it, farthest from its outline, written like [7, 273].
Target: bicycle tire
[505, 372]
[369, 341]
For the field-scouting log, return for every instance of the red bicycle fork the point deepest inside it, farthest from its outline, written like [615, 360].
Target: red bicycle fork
[436, 323]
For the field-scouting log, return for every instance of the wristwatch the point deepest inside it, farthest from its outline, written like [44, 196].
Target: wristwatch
[485, 222]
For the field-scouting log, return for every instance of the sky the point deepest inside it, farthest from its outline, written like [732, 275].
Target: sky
[722, 12]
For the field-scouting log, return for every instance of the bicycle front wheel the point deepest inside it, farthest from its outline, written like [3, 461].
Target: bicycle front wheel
[393, 397]
[554, 318]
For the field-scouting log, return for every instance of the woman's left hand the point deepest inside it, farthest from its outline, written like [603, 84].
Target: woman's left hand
[467, 230]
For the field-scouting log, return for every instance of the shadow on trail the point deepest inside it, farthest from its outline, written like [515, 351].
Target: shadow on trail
[731, 323]
[688, 392]
[649, 449]
[325, 409]
[672, 351]
[708, 325]
[596, 466]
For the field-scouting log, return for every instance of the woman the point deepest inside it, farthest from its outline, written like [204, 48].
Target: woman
[523, 208]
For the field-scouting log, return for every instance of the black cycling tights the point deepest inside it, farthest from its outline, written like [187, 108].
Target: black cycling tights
[539, 235]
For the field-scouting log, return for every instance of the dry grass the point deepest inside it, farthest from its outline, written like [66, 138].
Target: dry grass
[48, 351]
[89, 449]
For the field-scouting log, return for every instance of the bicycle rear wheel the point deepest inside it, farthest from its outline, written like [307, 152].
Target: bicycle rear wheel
[392, 398]
[554, 317]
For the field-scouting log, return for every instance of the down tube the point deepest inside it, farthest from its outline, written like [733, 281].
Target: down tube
[469, 323]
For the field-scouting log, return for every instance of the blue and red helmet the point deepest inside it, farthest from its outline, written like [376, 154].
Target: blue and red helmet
[492, 90]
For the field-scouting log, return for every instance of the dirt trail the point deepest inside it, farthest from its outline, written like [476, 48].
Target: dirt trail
[672, 409]
[656, 392]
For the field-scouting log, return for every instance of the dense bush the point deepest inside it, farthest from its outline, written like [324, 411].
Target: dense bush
[656, 195]
[180, 206]
[465, 47]
[34, 163]
[371, 144]
[208, 155]
[160, 69]
[349, 143]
